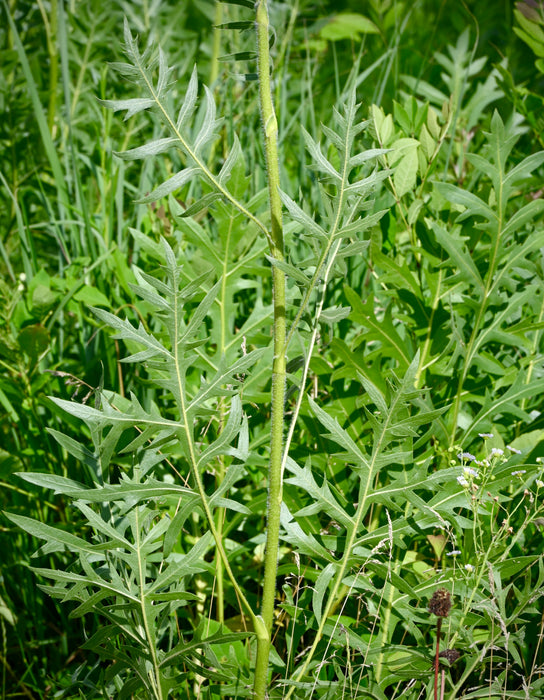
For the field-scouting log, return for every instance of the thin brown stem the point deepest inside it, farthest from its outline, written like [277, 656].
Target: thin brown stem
[436, 657]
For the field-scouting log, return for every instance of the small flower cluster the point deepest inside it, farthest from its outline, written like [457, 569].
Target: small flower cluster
[469, 473]
[440, 603]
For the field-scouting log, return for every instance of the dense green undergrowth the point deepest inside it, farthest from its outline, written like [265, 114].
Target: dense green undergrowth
[272, 393]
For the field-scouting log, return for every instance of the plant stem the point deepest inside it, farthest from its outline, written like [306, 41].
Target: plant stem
[437, 658]
[155, 677]
[216, 46]
[270, 132]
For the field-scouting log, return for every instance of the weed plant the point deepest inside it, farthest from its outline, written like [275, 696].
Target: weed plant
[294, 443]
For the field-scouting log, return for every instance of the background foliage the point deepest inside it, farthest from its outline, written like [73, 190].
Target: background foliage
[416, 282]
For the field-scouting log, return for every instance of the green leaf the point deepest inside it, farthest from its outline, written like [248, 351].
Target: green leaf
[523, 216]
[347, 25]
[474, 205]
[290, 270]
[51, 534]
[304, 543]
[323, 498]
[174, 183]
[339, 435]
[310, 227]
[243, 3]
[455, 246]
[126, 490]
[133, 105]
[382, 329]
[222, 446]
[126, 331]
[33, 340]
[112, 417]
[319, 159]
[321, 585]
[506, 403]
[91, 296]
[189, 103]
[152, 148]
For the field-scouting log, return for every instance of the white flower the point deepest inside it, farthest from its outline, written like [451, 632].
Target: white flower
[470, 471]
[462, 481]
[469, 568]
[520, 472]
[453, 553]
[539, 483]
[496, 452]
[485, 435]
[466, 455]
[513, 449]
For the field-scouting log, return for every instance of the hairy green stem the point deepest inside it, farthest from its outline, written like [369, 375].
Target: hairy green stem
[270, 132]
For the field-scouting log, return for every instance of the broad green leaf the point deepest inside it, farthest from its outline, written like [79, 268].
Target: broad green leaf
[347, 25]
[90, 296]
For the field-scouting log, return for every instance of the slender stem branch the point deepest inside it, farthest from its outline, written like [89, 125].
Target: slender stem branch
[437, 658]
[351, 539]
[193, 461]
[270, 132]
[155, 678]
[216, 46]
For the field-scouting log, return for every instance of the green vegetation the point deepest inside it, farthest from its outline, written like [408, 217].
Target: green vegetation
[271, 339]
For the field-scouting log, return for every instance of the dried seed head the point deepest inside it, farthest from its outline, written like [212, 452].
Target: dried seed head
[451, 655]
[440, 603]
